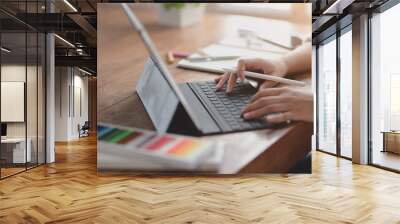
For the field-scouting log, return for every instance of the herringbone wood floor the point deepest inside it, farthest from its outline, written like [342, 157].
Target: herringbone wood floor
[71, 191]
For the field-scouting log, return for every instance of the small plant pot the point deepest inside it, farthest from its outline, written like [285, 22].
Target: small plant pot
[187, 15]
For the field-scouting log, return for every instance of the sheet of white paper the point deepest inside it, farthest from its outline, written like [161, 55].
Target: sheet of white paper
[225, 49]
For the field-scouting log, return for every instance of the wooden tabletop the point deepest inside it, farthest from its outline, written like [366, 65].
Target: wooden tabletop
[121, 57]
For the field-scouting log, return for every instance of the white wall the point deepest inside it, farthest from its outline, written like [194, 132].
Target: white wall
[70, 83]
[12, 73]
[79, 117]
[33, 126]
[62, 82]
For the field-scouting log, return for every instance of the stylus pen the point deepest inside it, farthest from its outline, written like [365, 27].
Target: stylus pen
[216, 58]
[267, 77]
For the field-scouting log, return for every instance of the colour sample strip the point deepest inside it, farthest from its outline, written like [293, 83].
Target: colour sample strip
[130, 137]
[120, 135]
[159, 143]
[108, 134]
[146, 140]
[103, 130]
[184, 147]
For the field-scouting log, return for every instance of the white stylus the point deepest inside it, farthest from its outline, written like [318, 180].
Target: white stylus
[267, 77]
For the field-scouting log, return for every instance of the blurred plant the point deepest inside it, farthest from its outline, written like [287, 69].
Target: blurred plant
[178, 6]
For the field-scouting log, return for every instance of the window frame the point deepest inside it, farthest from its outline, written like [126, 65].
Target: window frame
[333, 37]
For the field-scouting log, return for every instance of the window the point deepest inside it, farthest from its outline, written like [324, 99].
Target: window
[346, 93]
[334, 103]
[385, 89]
[394, 101]
[327, 96]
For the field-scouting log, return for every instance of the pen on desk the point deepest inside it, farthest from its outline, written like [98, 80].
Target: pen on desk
[212, 58]
[180, 54]
[268, 77]
[170, 57]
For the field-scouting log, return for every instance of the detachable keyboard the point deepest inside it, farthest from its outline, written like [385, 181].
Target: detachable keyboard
[226, 108]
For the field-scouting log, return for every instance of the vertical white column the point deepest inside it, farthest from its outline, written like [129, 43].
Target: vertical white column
[360, 90]
[50, 99]
[50, 93]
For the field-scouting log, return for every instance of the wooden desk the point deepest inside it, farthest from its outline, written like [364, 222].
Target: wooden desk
[15, 152]
[121, 55]
[391, 141]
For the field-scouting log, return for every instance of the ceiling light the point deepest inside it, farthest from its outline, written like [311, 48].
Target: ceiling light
[65, 41]
[5, 50]
[84, 71]
[70, 5]
[337, 7]
[79, 51]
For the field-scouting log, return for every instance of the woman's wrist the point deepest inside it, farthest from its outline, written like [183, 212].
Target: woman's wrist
[281, 67]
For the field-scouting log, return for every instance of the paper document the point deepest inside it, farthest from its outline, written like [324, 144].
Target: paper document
[227, 47]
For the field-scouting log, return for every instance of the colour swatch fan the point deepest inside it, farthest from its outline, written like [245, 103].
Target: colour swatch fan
[123, 148]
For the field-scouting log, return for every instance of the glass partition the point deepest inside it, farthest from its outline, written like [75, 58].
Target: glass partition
[41, 97]
[13, 104]
[31, 98]
[23, 91]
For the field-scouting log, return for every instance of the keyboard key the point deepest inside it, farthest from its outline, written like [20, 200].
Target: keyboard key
[245, 125]
[229, 106]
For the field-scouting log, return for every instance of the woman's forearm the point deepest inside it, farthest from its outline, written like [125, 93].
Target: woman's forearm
[298, 60]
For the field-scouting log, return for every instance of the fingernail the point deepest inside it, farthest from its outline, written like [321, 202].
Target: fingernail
[246, 115]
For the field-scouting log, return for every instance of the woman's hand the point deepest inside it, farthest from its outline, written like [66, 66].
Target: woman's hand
[271, 67]
[281, 105]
